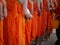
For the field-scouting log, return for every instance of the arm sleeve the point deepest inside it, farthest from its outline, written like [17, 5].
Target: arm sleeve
[38, 4]
[31, 2]
[1, 14]
[0, 10]
[25, 8]
[5, 9]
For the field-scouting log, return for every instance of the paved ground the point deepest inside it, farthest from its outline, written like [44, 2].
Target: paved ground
[52, 40]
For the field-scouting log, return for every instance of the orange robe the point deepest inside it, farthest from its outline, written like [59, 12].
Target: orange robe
[48, 25]
[1, 29]
[44, 21]
[9, 22]
[1, 32]
[34, 23]
[20, 25]
[5, 32]
[50, 18]
[44, 17]
[28, 28]
[39, 28]
[41, 21]
[51, 22]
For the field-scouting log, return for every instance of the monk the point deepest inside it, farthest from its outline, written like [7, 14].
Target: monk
[28, 24]
[23, 36]
[49, 18]
[1, 25]
[14, 26]
[3, 14]
[34, 22]
[44, 19]
[40, 5]
[9, 23]
[57, 12]
[20, 19]
[53, 4]
[20, 25]
[36, 27]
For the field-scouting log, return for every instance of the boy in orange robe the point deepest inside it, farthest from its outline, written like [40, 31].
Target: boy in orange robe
[44, 17]
[15, 22]
[3, 14]
[9, 22]
[20, 25]
[49, 19]
[51, 15]
[40, 13]
[34, 22]
[1, 24]
[22, 28]
[28, 24]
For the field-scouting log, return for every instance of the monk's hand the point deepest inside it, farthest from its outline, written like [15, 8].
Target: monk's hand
[27, 13]
[28, 17]
[1, 18]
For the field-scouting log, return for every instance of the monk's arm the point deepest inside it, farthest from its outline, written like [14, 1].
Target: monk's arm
[25, 8]
[1, 14]
[31, 2]
[5, 9]
[55, 2]
[38, 5]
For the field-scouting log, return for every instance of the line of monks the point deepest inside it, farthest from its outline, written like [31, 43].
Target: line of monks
[24, 21]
